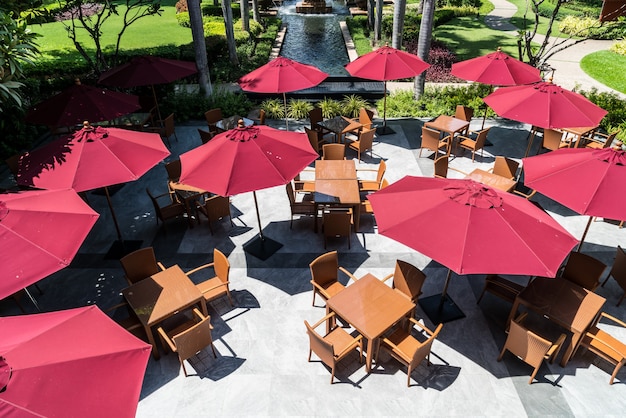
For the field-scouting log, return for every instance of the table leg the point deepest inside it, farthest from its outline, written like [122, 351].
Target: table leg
[356, 217]
[155, 350]
[370, 354]
[576, 337]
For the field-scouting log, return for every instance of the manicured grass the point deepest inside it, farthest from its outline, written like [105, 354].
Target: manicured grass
[469, 37]
[528, 22]
[607, 67]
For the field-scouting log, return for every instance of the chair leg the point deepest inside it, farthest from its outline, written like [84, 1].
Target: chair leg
[213, 349]
[182, 363]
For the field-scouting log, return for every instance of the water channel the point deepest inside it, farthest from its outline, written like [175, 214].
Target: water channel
[315, 39]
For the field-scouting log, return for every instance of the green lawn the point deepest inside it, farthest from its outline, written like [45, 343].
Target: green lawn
[607, 67]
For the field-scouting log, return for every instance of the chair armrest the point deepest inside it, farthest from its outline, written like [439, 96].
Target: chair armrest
[458, 171]
[166, 338]
[190, 272]
[520, 319]
[161, 266]
[355, 341]
[226, 283]
[605, 343]
[556, 347]
[422, 326]
[612, 318]
[350, 275]
[199, 314]
[320, 289]
[114, 307]
[387, 277]
[324, 319]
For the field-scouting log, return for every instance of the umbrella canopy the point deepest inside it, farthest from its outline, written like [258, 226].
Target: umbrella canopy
[282, 75]
[73, 363]
[498, 69]
[248, 158]
[545, 105]
[599, 186]
[384, 64]
[79, 103]
[31, 225]
[147, 70]
[470, 228]
[91, 158]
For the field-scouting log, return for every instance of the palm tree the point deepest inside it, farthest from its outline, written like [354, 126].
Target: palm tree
[199, 46]
[423, 43]
[399, 9]
[245, 15]
[227, 11]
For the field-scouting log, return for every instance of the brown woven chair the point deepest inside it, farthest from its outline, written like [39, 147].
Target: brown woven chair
[315, 139]
[464, 113]
[605, 345]
[618, 272]
[205, 136]
[441, 167]
[431, 141]
[127, 320]
[333, 152]
[171, 210]
[140, 264]
[325, 275]
[306, 206]
[366, 205]
[552, 140]
[408, 350]
[474, 144]
[367, 185]
[336, 223]
[218, 285]
[333, 346]
[407, 279]
[364, 142]
[501, 287]
[505, 167]
[599, 140]
[584, 270]
[166, 129]
[530, 347]
[212, 117]
[303, 186]
[365, 121]
[215, 208]
[316, 116]
[190, 338]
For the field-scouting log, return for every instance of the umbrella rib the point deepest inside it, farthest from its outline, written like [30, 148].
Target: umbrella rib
[33, 244]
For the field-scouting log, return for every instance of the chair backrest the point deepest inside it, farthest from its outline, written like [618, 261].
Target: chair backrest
[140, 264]
[365, 117]
[382, 169]
[618, 270]
[213, 116]
[205, 136]
[291, 194]
[423, 350]
[337, 222]
[322, 348]
[366, 139]
[173, 169]
[609, 139]
[430, 138]
[505, 167]
[463, 112]
[217, 207]
[221, 266]
[315, 116]
[155, 203]
[525, 344]
[408, 279]
[168, 125]
[333, 152]
[313, 136]
[262, 117]
[192, 340]
[481, 138]
[324, 269]
[551, 139]
[384, 183]
[584, 270]
[441, 166]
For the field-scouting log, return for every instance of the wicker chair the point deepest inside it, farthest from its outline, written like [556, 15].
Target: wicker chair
[431, 141]
[618, 272]
[530, 347]
[337, 222]
[334, 345]
[140, 264]
[364, 142]
[605, 345]
[171, 210]
[215, 208]
[407, 279]
[505, 167]
[583, 270]
[166, 129]
[218, 285]
[599, 140]
[367, 185]
[552, 140]
[441, 167]
[315, 139]
[212, 117]
[304, 207]
[325, 277]
[333, 152]
[474, 144]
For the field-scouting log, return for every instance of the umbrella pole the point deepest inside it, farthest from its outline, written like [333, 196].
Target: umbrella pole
[384, 130]
[441, 308]
[156, 104]
[584, 234]
[285, 103]
[258, 217]
[445, 286]
[117, 227]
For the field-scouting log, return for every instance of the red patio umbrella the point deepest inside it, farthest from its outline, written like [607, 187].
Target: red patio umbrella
[496, 69]
[282, 75]
[590, 182]
[73, 363]
[471, 229]
[79, 103]
[244, 159]
[93, 157]
[384, 64]
[147, 70]
[40, 233]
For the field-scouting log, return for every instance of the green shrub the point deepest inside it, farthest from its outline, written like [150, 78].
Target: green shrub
[212, 10]
[578, 26]
[330, 107]
[619, 47]
[298, 108]
[274, 108]
[610, 102]
[352, 104]
[183, 19]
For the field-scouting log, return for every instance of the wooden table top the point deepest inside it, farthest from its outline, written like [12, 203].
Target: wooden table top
[335, 169]
[340, 125]
[160, 296]
[174, 185]
[579, 132]
[370, 306]
[492, 180]
[448, 124]
[344, 191]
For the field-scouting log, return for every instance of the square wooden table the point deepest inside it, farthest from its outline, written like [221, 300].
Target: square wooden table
[578, 134]
[336, 184]
[340, 125]
[371, 307]
[448, 124]
[188, 194]
[565, 303]
[492, 180]
[231, 122]
[162, 296]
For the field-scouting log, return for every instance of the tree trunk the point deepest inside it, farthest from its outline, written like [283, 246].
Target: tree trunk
[399, 8]
[423, 44]
[199, 46]
[245, 15]
[255, 11]
[378, 21]
[227, 11]
[371, 6]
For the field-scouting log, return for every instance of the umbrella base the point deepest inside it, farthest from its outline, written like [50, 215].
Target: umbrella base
[384, 130]
[262, 248]
[120, 248]
[440, 309]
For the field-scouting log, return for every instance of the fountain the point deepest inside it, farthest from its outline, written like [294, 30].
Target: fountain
[313, 7]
